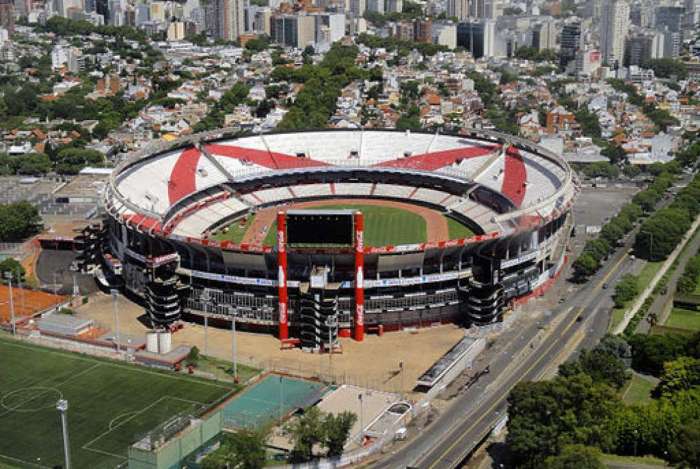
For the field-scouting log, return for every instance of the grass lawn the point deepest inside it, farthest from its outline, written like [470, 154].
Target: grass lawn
[643, 279]
[458, 230]
[638, 390]
[647, 274]
[236, 230]
[383, 225]
[221, 369]
[110, 405]
[684, 319]
[631, 461]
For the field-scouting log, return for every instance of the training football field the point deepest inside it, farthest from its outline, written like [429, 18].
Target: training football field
[110, 405]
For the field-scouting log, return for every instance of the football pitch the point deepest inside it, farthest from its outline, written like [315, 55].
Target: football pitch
[110, 405]
[383, 225]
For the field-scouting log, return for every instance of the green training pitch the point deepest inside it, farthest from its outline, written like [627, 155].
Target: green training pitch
[109, 405]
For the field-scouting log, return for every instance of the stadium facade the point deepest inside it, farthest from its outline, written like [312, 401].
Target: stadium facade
[164, 203]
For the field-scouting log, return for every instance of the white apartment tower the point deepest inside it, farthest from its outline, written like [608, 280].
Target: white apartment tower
[458, 9]
[615, 22]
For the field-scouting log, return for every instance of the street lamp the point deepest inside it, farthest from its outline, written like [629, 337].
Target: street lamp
[117, 338]
[8, 276]
[362, 415]
[206, 298]
[332, 323]
[232, 311]
[62, 408]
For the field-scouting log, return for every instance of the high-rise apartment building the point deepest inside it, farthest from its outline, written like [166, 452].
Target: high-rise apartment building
[7, 15]
[478, 37]
[458, 9]
[570, 43]
[614, 25]
[293, 30]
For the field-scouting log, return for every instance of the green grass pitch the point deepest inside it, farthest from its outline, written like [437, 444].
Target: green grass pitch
[110, 405]
[383, 225]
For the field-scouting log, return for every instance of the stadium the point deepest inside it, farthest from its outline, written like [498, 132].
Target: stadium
[316, 234]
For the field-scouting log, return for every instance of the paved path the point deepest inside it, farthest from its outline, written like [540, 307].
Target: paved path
[663, 302]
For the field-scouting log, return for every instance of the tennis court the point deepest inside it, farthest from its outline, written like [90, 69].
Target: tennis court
[271, 398]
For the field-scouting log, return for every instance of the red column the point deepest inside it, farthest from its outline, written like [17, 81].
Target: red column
[282, 276]
[359, 277]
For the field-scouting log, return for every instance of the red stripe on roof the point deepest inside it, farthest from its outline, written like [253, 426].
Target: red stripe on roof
[514, 176]
[182, 179]
[268, 159]
[438, 159]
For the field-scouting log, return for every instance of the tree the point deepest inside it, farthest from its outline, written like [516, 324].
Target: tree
[336, 432]
[680, 374]
[616, 346]
[245, 450]
[575, 457]
[684, 451]
[18, 221]
[585, 266]
[14, 268]
[626, 290]
[546, 416]
[306, 431]
[646, 199]
[193, 357]
[72, 160]
[661, 233]
[34, 164]
[650, 352]
[602, 366]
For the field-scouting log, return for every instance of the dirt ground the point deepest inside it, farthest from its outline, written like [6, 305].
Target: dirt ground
[25, 302]
[373, 363]
[436, 224]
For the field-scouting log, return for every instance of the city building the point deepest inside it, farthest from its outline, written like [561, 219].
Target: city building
[613, 30]
[570, 43]
[293, 30]
[478, 37]
[7, 15]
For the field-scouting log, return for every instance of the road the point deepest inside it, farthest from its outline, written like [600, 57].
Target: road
[536, 352]
[472, 415]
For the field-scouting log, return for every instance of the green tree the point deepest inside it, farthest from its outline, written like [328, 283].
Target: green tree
[14, 268]
[245, 450]
[19, 221]
[575, 457]
[544, 417]
[306, 431]
[684, 451]
[585, 266]
[680, 374]
[336, 432]
[602, 366]
[193, 356]
[626, 290]
[650, 352]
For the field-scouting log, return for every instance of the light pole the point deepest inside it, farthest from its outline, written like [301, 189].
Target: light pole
[117, 338]
[331, 322]
[62, 408]
[281, 396]
[206, 297]
[362, 415]
[8, 276]
[234, 345]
